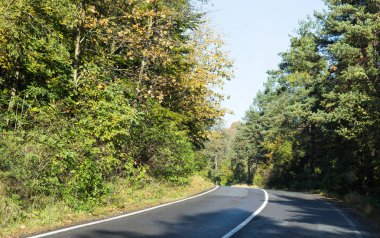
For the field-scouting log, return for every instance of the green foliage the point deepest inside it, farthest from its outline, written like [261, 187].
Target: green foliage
[86, 182]
[218, 154]
[317, 122]
[11, 211]
[174, 158]
[96, 91]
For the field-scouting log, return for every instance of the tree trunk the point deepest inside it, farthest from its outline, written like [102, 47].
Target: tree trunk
[77, 57]
[77, 50]
[143, 61]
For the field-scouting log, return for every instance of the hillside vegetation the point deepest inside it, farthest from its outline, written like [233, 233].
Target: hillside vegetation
[92, 92]
[316, 123]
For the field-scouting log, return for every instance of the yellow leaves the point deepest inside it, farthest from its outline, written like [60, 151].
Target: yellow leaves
[92, 9]
[102, 86]
[160, 98]
[121, 34]
[183, 73]
[150, 13]
[3, 63]
[104, 22]
[89, 25]
[127, 16]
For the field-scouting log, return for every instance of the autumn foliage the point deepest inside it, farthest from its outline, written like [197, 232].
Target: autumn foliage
[91, 91]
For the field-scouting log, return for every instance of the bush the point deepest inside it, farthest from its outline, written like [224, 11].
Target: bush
[86, 183]
[173, 157]
[10, 211]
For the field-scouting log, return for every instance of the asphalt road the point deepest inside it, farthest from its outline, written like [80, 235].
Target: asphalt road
[217, 213]
[290, 215]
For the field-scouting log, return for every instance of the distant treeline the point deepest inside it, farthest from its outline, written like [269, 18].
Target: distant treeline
[316, 124]
[96, 90]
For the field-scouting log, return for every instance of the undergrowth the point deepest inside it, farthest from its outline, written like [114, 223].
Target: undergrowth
[48, 213]
[365, 205]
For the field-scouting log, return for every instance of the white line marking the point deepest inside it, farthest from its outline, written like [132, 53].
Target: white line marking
[241, 225]
[121, 216]
[348, 220]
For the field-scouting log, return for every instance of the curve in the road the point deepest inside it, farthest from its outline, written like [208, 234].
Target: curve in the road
[210, 215]
[220, 212]
[246, 221]
[121, 216]
[293, 214]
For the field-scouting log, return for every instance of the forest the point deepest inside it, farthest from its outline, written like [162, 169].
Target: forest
[92, 92]
[316, 123]
[97, 96]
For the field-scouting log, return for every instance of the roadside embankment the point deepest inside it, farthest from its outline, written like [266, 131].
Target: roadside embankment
[122, 198]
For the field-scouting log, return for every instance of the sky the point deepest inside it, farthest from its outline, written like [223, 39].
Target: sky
[255, 31]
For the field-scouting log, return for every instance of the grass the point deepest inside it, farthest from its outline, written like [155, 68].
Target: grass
[245, 186]
[123, 198]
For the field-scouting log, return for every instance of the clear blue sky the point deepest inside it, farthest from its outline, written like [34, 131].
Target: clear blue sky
[255, 31]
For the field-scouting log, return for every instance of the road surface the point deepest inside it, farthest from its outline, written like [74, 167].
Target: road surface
[290, 215]
[217, 213]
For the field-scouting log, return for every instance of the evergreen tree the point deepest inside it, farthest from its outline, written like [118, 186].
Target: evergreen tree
[318, 117]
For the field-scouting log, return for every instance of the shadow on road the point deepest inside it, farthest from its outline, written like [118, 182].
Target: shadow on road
[287, 215]
[300, 215]
[184, 227]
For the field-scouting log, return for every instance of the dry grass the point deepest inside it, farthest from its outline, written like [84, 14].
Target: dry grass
[244, 186]
[123, 199]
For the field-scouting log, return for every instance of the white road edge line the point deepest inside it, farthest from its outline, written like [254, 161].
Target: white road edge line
[348, 220]
[244, 223]
[121, 216]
